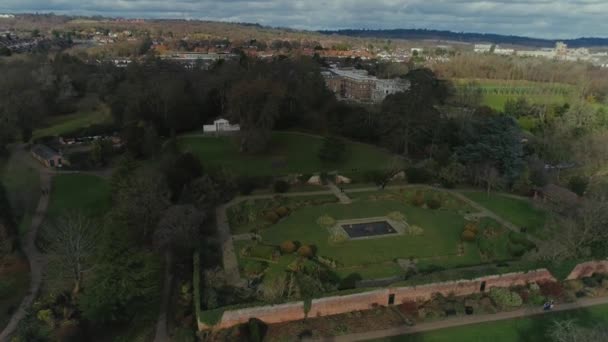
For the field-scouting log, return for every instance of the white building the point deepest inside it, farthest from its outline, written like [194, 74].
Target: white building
[7, 16]
[483, 48]
[221, 126]
[385, 88]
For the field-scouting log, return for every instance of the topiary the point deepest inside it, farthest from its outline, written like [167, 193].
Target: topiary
[418, 199]
[306, 251]
[326, 221]
[433, 203]
[468, 235]
[505, 298]
[271, 217]
[288, 247]
[282, 211]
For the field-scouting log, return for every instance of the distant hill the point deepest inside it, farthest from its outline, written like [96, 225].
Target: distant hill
[464, 37]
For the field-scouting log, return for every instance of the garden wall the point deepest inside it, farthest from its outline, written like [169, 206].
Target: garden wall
[364, 301]
[587, 269]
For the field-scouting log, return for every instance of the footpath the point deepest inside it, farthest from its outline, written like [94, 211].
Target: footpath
[466, 320]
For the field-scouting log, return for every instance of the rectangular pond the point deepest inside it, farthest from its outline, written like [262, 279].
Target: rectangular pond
[368, 229]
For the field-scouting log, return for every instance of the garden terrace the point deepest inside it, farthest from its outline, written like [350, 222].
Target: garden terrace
[289, 153]
[431, 238]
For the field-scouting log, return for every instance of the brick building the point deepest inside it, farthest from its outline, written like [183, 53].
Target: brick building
[356, 85]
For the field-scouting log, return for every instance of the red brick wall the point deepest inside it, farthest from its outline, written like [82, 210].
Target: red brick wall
[587, 269]
[367, 300]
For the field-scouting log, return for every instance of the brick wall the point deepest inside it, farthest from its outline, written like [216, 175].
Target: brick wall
[587, 269]
[367, 300]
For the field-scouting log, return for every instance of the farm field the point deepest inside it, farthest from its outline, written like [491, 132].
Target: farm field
[79, 192]
[289, 153]
[524, 329]
[520, 212]
[435, 238]
[497, 92]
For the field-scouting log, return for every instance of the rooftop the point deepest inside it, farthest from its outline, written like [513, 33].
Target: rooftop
[44, 152]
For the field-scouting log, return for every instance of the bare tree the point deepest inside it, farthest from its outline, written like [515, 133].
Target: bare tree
[569, 331]
[179, 227]
[72, 242]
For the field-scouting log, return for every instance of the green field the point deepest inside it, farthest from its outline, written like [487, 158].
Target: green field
[22, 183]
[79, 192]
[520, 212]
[497, 92]
[289, 153]
[531, 329]
[88, 114]
[375, 258]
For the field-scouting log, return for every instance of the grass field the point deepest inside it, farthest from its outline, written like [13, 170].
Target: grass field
[79, 192]
[531, 329]
[520, 212]
[497, 92]
[89, 113]
[375, 258]
[289, 153]
[22, 184]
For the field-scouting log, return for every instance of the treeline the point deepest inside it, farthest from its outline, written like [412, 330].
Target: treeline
[424, 34]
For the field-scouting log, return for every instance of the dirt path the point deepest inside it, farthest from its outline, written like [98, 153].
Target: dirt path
[338, 192]
[162, 334]
[466, 320]
[36, 259]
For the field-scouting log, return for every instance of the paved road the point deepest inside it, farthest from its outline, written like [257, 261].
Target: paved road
[36, 259]
[460, 321]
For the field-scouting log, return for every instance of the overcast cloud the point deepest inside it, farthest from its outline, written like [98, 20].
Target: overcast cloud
[537, 18]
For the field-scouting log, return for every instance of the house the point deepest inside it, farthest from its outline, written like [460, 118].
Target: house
[47, 156]
[221, 126]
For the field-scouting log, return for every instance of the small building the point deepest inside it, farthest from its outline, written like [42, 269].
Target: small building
[221, 126]
[47, 156]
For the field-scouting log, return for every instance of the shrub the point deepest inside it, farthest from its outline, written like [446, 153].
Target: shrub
[418, 199]
[578, 185]
[468, 235]
[281, 186]
[271, 217]
[288, 247]
[516, 250]
[306, 251]
[472, 226]
[415, 230]
[505, 298]
[418, 175]
[396, 216]
[434, 203]
[254, 268]
[326, 221]
[282, 211]
[246, 185]
[551, 289]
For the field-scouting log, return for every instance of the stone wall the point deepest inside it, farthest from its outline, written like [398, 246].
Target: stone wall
[587, 269]
[367, 300]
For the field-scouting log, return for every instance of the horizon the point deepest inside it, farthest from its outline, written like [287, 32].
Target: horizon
[541, 19]
[320, 30]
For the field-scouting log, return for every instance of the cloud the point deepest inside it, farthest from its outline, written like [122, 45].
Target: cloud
[537, 18]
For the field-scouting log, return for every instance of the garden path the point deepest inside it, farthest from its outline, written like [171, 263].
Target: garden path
[344, 199]
[466, 320]
[36, 259]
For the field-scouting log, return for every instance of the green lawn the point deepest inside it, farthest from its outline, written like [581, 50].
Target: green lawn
[85, 117]
[22, 183]
[374, 258]
[289, 153]
[79, 192]
[524, 329]
[520, 212]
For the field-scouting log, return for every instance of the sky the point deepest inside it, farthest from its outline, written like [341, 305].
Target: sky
[535, 18]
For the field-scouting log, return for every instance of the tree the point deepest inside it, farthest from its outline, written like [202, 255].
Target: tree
[409, 119]
[569, 331]
[179, 228]
[140, 202]
[8, 227]
[578, 185]
[72, 242]
[255, 105]
[332, 150]
[452, 174]
[4, 51]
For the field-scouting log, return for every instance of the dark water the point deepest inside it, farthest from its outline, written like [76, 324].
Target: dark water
[368, 229]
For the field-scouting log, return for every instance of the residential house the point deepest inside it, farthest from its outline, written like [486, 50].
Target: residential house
[48, 156]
